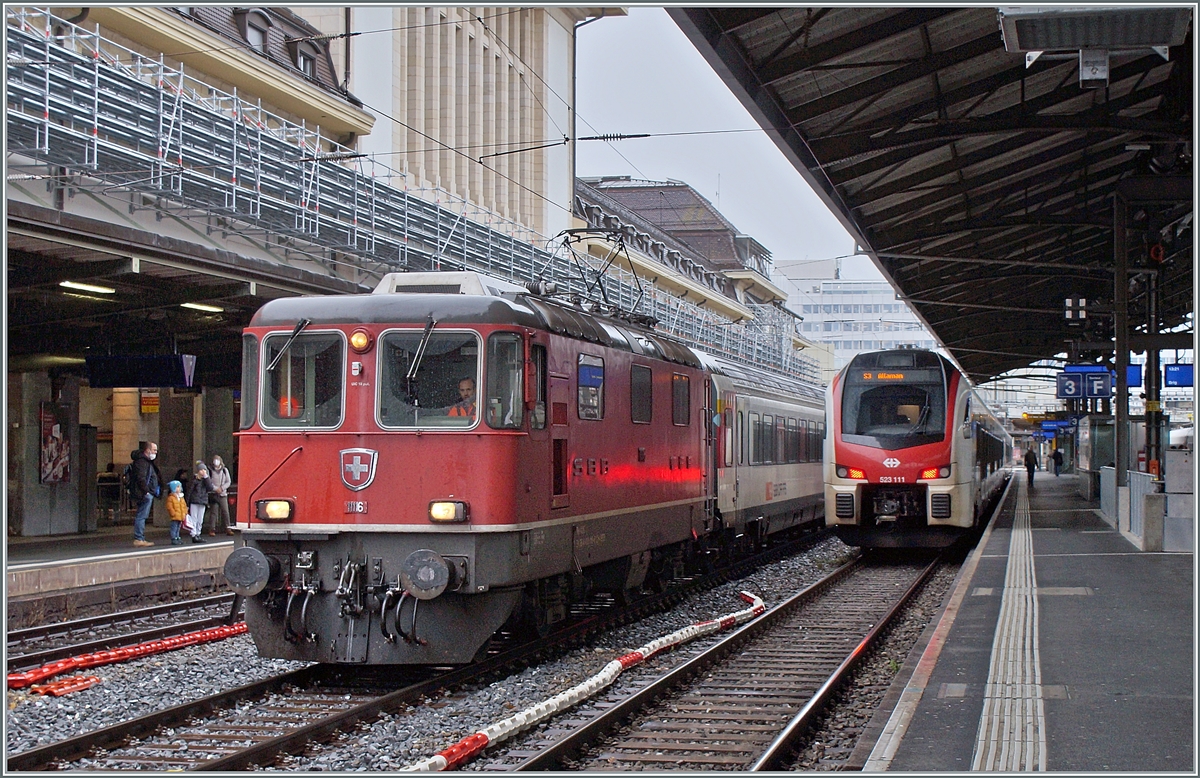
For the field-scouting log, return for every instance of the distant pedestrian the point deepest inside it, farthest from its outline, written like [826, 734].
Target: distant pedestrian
[197, 498]
[219, 501]
[146, 486]
[1031, 463]
[1057, 458]
[177, 509]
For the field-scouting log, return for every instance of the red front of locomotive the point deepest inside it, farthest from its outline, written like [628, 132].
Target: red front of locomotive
[409, 463]
[891, 475]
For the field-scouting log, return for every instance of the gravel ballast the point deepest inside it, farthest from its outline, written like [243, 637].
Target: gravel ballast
[398, 739]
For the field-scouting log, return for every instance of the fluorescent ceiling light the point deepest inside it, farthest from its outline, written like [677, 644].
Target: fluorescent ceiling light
[87, 287]
[202, 307]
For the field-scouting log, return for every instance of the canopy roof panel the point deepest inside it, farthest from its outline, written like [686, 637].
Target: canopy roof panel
[982, 188]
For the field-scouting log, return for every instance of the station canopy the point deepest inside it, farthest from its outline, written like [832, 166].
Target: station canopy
[974, 154]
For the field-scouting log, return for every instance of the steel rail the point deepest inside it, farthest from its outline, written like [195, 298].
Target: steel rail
[38, 658]
[302, 738]
[107, 619]
[773, 756]
[119, 734]
[553, 757]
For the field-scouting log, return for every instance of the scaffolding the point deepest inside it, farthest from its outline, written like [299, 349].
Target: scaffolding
[103, 117]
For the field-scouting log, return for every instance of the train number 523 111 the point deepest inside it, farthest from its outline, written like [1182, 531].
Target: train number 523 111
[891, 479]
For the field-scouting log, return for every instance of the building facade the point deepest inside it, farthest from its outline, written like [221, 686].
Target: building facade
[852, 316]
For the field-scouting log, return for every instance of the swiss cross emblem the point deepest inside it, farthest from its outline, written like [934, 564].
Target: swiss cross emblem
[358, 467]
[891, 462]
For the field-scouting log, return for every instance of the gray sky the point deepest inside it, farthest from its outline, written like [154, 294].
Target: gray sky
[641, 74]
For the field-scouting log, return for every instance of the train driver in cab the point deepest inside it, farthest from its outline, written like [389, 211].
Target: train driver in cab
[466, 403]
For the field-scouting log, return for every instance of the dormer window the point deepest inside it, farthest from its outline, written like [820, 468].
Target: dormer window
[253, 24]
[304, 56]
[257, 38]
[307, 65]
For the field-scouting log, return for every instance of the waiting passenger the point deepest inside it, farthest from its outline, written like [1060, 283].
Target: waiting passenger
[466, 403]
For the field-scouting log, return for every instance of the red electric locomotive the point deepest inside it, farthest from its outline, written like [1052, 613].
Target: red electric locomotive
[422, 464]
[914, 456]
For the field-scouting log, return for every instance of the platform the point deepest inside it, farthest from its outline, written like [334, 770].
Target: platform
[1061, 647]
[42, 565]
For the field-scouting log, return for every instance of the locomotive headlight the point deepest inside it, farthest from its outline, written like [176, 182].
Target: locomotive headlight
[936, 472]
[443, 511]
[274, 510]
[360, 340]
[849, 472]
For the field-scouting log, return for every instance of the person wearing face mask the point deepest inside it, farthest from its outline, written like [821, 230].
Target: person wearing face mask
[218, 502]
[147, 482]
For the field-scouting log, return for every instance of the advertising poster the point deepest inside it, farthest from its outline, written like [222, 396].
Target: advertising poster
[56, 445]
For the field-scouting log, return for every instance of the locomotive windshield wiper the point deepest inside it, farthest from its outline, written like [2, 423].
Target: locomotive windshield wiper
[411, 378]
[299, 326]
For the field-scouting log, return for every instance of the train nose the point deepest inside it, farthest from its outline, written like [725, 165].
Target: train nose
[248, 570]
[425, 574]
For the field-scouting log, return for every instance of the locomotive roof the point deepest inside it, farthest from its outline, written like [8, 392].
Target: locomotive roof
[514, 309]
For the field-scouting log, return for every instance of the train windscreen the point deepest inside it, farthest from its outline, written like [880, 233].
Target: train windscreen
[303, 387]
[894, 407]
[428, 379]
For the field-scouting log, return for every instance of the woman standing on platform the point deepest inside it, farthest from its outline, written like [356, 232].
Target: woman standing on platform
[219, 502]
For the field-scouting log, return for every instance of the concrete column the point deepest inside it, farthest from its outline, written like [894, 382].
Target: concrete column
[127, 425]
[1154, 512]
[36, 508]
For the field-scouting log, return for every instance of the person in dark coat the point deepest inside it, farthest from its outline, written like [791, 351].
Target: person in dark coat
[1031, 463]
[197, 497]
[1057, 458]
[147, 482]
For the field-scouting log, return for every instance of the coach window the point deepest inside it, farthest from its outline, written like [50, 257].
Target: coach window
[591, 387]
[305, 387]
[504, 403]
[249, 380]
[681, 400]
[743, 449]
[793, 441]
[766, 440]
[753, 456]
[419, 377]
[781, 440]
[641, 394]
[727, 432]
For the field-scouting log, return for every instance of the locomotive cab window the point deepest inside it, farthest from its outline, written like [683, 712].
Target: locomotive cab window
[305, 387]
[249, 380]
[430, 379]
[591, 387]
[641, 394]
[681, 400]
[505, 385]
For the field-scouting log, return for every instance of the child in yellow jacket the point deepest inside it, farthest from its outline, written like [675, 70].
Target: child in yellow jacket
[177, 509]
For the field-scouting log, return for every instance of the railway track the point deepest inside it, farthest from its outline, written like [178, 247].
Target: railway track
[35, 646]
[254, 724]
[745, 702]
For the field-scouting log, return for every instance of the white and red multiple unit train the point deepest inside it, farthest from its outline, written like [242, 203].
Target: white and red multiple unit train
[386, 522]
[914, 456]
